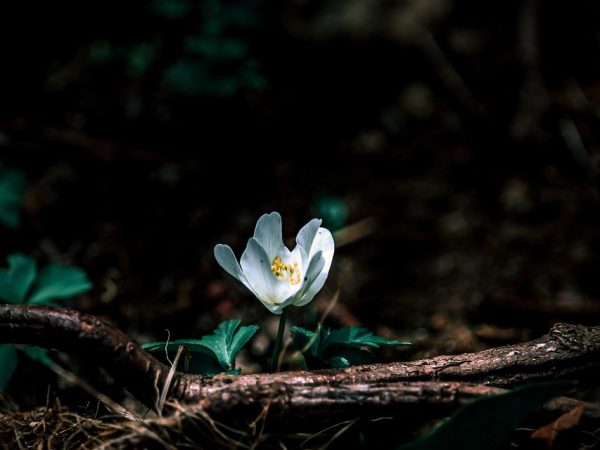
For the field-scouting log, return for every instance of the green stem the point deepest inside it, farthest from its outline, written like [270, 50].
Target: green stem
[278, 341]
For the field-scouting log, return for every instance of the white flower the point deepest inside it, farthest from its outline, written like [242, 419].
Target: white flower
[276, 276]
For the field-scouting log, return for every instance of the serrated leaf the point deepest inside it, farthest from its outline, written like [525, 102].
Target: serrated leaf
[338, 348]
[358, 337]
[57, 282]
[198, 360]
[226, 342]
[12, 187]
[214, 353]
[38, 354]
[487, 423]
[241, 338]
[18, 279]
[8, 364]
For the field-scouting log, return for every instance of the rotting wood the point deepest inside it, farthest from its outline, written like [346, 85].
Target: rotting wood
[434, 384]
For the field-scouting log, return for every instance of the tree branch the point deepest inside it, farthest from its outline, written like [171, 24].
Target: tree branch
[428, 385]
[88, 338]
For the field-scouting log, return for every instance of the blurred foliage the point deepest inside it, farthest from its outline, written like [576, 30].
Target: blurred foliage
[12, 187]
[136, 64]
[216, 60]
[22, 284]
[200, 47]
[332, 210]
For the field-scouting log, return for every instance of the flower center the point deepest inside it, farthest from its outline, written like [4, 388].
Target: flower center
[286, 272]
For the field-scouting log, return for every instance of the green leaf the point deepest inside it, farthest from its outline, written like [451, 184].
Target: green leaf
[16, 281]
[338, 362]
[8, 364]
[354, 356]
[38, 354]
[487, 423]
[338, 348]
[204, 364]
[240, 339]
[12, 187]
[358, 337]
[303, 339]
[226, 342]
[200, 360]
[192, 345]
[58, 282]
[214, 353]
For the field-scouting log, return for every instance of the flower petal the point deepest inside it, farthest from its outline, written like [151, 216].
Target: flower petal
[324, 246]
[313, 280]
[278, 309]
[307, 234]
[297, 276]
[324, 243]
[257, 268]
[312, 290]
[227, 260]
[268, 233]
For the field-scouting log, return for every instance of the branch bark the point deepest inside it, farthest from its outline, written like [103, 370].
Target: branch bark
[434, 384]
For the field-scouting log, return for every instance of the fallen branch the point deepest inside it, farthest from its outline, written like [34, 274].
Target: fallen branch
[435, 384]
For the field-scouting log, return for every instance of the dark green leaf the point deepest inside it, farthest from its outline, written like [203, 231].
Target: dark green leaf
[488, 423]
[354, 356]
[16, 281]
[308, 342]
[196, 359]
[339, 362]
[358, 337]
[12, 186]
[192, 345]
[226, 342]
[38, 354]
[239, 339]
[338, 348]
[214, 353]
[302, 339]
[8, 363]
[204, 364]
[58, 282]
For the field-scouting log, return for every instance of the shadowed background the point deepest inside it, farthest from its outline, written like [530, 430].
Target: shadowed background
[451, 145]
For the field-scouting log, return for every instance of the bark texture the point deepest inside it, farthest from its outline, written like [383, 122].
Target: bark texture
[434, 384]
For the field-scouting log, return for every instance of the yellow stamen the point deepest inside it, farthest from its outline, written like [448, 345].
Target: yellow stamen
[286, 272]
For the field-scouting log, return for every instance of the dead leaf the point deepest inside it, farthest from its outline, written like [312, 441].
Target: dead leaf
[568, 420]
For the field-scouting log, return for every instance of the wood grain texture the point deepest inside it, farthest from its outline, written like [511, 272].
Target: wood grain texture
[427, 385]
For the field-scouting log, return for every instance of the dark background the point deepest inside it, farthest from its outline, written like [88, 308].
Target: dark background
[451, 144]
